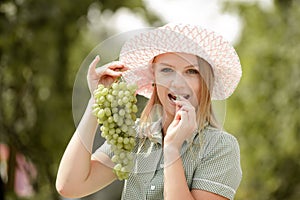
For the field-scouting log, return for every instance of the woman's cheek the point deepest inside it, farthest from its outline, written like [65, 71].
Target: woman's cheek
[163, 82]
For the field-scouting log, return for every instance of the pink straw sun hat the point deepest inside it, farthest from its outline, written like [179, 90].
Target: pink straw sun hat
[139, 51]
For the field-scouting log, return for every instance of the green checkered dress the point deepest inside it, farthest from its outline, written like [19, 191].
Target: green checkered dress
[211, 163]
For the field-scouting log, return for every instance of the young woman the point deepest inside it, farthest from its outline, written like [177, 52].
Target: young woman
[181, 152]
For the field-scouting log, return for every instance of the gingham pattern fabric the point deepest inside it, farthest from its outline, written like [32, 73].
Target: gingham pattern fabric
[138, 51]
[213, 166]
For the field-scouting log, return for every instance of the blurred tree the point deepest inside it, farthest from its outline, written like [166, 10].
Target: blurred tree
[37, 37]
[265, 110]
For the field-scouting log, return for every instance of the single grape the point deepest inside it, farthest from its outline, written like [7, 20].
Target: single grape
[122, 112]
[126, 140]
[115, 158]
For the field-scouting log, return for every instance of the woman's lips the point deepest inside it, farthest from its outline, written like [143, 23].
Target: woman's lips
[173, 97]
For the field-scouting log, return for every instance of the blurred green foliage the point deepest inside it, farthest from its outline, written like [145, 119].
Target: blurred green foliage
[264, 112]
[41, 48]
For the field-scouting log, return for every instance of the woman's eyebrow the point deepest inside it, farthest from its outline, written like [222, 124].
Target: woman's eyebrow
[169, 65]
[196, 66]
[166, 64]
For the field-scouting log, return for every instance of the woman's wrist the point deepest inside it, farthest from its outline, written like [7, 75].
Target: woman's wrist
[172, 144]
[90, 104]
[91, 99]
[171, 154]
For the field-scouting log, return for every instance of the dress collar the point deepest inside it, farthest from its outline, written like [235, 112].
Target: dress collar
[153, 132]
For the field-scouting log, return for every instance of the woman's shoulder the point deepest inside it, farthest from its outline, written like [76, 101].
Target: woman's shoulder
[212, 133]
[213, 139]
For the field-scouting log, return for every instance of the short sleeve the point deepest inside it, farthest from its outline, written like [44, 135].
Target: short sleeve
[218, 170]
[104, 148]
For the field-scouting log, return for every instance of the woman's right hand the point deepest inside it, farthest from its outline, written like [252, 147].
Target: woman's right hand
[103, 75]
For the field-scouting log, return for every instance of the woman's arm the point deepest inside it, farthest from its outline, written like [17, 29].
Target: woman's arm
[175, 185]
[181, 128]
[78, 174]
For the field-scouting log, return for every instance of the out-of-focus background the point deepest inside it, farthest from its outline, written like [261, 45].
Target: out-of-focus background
[43, 44]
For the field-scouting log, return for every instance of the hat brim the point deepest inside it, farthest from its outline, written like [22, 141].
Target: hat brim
[142, 48]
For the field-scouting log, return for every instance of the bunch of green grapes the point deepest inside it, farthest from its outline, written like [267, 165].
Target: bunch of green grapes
[115, 108]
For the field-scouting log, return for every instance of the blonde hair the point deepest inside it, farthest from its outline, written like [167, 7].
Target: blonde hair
[204, 111]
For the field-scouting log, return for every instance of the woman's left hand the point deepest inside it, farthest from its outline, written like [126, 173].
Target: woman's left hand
[183, 125]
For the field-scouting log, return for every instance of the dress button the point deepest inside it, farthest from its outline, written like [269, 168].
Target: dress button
[161, 165]
[152, 187]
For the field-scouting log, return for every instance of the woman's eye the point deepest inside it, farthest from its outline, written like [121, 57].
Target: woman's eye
[166, 70]
[192, 71]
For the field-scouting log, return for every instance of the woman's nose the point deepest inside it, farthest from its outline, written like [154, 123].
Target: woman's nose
[178, 81]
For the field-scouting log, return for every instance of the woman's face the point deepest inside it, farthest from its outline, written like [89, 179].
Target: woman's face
[176, 74]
